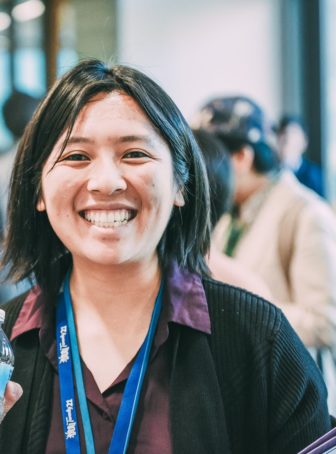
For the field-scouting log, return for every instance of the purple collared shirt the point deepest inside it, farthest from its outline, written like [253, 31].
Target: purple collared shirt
[184, 303]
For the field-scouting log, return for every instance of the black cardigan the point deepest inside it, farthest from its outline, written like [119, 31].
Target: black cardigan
[250, 387]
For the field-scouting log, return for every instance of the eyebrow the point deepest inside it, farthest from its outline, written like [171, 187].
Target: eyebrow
[135, 138]
[78, 139]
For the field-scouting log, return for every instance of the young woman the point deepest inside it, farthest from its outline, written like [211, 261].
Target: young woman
[124, 342]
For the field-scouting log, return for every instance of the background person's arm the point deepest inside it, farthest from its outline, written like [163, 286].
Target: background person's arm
[312, 276]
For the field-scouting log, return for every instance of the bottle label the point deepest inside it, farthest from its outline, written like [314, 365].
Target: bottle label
[5, 374]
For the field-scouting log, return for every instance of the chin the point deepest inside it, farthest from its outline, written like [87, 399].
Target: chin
[108, 261]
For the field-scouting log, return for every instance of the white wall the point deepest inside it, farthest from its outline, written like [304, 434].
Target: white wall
[200, 48]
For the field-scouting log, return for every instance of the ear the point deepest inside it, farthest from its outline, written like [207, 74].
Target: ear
[179, 199]
[242, 160]
[40, 205]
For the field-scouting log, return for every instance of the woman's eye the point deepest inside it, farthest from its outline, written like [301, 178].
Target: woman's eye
[75, 157]
[136, 154]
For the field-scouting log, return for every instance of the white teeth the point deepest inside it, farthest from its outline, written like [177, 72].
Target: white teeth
[107, 218]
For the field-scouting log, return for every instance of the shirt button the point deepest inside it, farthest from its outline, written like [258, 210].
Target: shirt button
[105, 416]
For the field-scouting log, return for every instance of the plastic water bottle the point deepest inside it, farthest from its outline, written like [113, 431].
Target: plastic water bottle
[6, 361]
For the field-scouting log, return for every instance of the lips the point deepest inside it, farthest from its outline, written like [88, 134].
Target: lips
[108, 218]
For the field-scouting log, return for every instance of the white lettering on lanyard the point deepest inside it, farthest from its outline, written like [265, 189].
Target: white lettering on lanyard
[70, 423]
[64, 348]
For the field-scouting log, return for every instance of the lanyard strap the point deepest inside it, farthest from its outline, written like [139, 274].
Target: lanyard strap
[67, 391]
[68, 356]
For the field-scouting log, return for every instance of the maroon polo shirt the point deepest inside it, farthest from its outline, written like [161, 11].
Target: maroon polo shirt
[184, 303]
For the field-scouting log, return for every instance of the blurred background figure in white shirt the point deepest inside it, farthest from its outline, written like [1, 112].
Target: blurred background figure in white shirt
[292, 138]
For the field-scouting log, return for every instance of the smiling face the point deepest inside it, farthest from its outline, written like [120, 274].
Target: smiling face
[292, 143]
[110, 194]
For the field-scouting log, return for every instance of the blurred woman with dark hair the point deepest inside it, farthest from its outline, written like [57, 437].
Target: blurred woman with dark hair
[17, 111]
[221, 181]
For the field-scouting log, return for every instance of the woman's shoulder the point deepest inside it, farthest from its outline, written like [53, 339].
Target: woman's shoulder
[224, 293]
[233, 308]
[13, 308]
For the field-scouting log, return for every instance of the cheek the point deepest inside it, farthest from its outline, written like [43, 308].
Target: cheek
[153, 191]
[160, 190]
[58, 195]
[157, 198]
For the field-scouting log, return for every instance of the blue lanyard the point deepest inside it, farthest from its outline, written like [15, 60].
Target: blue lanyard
[69, 358]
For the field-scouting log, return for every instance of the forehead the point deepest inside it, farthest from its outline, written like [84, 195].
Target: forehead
[112, 116]
[114, 107]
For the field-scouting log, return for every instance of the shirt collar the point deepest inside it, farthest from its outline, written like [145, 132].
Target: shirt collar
[184, 294]
[188, 305]
[31, 315]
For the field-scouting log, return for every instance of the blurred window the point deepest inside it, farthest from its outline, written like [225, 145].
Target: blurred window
[5, 87]
[22, 55]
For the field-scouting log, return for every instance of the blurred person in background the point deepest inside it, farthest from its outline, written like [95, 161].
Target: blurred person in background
[278, 228]
[292, 138]
[221, 181]
[17, 111]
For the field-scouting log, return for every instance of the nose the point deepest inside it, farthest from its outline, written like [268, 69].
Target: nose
[106, 178]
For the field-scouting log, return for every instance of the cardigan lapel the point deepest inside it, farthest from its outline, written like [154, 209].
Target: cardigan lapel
[197, 414]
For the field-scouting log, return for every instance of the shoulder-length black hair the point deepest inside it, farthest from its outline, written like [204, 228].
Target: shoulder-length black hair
[220, 173]
[32, 249]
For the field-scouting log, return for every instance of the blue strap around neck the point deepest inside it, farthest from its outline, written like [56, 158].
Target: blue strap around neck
[69, 357]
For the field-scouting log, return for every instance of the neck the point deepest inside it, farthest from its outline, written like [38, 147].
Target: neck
[121, 288]
[250, 186]
[113, 308]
